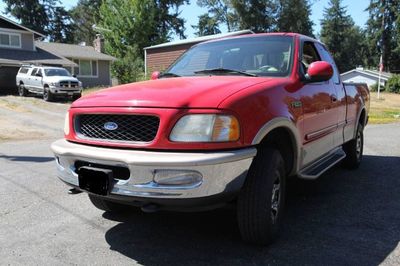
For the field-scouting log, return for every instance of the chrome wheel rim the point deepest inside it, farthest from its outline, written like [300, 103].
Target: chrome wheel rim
[276, 198]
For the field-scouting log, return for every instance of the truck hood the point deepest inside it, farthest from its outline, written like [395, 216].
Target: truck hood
[183, 92]
[60, 78]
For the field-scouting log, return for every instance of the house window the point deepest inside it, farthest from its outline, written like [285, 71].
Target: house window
[85, 68]
[10, 40]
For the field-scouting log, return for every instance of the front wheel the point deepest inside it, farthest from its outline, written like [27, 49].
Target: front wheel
[354, 149]
[47, 95]
[261, 202]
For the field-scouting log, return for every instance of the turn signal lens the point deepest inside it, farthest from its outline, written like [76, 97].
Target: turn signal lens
[226, 128]
[66, 124]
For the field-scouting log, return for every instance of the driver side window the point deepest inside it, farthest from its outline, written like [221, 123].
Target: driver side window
[309, 55]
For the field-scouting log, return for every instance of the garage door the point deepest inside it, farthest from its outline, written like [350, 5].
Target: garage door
[7, 77]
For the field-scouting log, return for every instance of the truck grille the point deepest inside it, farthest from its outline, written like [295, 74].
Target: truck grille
[124, 128]
[69, 84]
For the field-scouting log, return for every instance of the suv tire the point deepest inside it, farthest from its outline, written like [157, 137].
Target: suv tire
[21, 90]
[261, 202]
[47, 95]
[354, 149]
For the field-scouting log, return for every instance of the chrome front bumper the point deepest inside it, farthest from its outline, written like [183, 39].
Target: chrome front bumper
[222, 172]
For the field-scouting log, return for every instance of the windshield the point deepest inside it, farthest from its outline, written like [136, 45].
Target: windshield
[261, 56]
[56, 72]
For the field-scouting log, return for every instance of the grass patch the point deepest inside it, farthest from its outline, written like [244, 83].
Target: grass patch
[386, 109]
[87, 91]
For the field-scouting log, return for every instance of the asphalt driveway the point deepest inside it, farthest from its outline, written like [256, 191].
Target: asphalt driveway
[345, 217]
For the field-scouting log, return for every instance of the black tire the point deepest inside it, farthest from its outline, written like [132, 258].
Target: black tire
[22, 91]
[76, 96]
[47, 95]
[354, 149]
[259, 216]
[106, 205]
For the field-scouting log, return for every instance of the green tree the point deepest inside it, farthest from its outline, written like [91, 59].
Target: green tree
[220, 11]
[207, 26]
[256, 15]
[337, 32]
[383, 34]
[299, 9]
[129, 26]
[84, 15]
[31, 13]
[44, 16]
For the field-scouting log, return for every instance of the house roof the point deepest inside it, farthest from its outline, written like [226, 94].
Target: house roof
[40, 56]
[21, 27]
[371, 73]
[74, 51]
[199, 39]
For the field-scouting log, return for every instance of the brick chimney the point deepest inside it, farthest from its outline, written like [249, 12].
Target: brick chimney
[98, 43]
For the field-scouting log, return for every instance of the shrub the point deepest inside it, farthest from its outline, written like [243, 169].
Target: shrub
[374, 87]
[393, 84]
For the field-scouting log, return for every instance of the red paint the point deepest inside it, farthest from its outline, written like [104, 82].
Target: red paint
[253, 100]
[320, 71]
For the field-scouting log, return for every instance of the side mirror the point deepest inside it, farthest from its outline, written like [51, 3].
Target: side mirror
[38, 75]
[319, 71]
[74, 75]
[155, 75]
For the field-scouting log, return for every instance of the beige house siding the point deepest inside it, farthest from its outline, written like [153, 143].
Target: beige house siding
[27, 41]
[103, 77]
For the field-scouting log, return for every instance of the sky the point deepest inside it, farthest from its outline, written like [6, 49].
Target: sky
[355, 8]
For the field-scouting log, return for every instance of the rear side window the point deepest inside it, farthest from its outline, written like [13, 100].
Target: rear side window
[24, 70]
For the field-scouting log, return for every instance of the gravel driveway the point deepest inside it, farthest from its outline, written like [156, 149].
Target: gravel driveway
[344, 217]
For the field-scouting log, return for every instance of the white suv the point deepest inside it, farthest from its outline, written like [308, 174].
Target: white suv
[50, 82]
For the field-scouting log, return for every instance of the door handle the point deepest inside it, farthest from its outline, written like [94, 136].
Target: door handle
[333, 98]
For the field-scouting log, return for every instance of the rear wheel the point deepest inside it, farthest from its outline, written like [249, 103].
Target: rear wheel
[262, 199]
[47, 95]
[354, 149]
[21, 90]
[106, 205]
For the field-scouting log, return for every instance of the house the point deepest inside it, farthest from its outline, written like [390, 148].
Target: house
[20, 45]
[371, 77]
[161, 56]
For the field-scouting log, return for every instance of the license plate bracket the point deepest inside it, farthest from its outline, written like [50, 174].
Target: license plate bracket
[95, 180]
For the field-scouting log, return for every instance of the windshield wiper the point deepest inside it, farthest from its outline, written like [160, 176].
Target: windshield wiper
[224, 70]
[168, 75]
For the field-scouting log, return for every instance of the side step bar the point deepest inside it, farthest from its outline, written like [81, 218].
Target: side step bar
[319, 167]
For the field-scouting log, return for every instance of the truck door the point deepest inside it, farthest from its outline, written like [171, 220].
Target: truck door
[33, 80]
[319, 115]
[340, 104]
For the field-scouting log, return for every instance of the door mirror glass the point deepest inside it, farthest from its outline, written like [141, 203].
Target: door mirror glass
[155, 75]
[319, 71]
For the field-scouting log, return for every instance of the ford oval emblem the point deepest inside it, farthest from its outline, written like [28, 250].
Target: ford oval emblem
[110, 126]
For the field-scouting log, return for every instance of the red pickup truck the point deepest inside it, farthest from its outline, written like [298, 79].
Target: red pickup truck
[228, 122]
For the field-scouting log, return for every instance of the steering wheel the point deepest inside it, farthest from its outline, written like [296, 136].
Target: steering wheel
[268, 68]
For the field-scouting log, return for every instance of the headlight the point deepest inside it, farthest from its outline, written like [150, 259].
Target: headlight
[206, 128]
[53, 83]
[66, 124]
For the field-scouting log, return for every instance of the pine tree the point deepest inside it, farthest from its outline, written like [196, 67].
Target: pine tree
[337, 32]
[382, 34]
[294, 16]
[256, 15]
[207, 26]
[84, 15]
[220, 11]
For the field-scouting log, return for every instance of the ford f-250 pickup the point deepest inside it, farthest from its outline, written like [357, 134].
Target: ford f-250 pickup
[228, 122]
